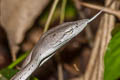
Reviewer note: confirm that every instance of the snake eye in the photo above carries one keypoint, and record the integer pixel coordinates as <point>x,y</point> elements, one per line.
<point>64,38</point>
<point>69,32</point>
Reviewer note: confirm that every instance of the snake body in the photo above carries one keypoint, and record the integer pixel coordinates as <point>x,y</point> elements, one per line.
<point>49,42</point>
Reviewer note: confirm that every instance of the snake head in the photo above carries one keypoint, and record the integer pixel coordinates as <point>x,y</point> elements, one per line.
<point>55,38</point>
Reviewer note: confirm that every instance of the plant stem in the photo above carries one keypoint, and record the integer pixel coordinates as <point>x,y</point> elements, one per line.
<point>12,65</point>
<point>50,15</point>
<point>63,11</point>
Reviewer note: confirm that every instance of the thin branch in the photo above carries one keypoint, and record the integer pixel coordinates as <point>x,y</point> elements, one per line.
<point>63,11</point>
<point>93,55</point>
<point>76,67</point>
<point>107,10</point>
<point>50,15</point>
<point>109,22</point>
<point>60,72</point>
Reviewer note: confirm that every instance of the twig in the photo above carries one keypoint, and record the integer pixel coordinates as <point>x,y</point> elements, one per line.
<point>93,55</point>
<point>108,10</point>
<point>103,44</point>
<point>63,11</point>
<point>109,22</point>
<point>50,15</point>
<point>101,49</point>
<point>60,72</point>
<point>76,68</point>
<point>94,74</point>
<point>102,34</point>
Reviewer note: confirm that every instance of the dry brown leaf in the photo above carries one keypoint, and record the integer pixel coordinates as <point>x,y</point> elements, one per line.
<point>17,16</point>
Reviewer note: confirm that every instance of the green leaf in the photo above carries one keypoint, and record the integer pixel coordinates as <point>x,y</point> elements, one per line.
<point>112,57</point>
<point>9,72</point>
<point>6,74</point>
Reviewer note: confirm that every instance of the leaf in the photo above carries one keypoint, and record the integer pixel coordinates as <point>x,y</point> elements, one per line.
<point>6,73</point>
<point>17,17</point>
<point>112,58</point>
